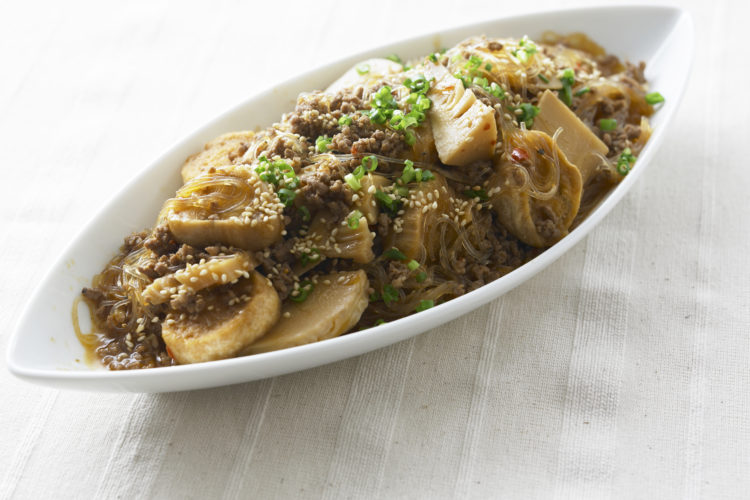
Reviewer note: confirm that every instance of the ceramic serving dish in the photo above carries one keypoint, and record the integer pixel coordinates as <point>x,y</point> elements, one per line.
<point>45,350</point>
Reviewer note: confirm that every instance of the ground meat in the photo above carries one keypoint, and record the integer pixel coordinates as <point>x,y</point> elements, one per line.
<point>289,148</point>
<point>317,114</point>
<point>190,303</point>
<point>398,273</point>
<point>632,131</point>
<point>636,72</point>
<point>134,241</point>
<point>507,251</point>
<point>608,64</point>
<point>149,352</point>
<point>364,137</point>
<point>95,299</point>
<point>276,263</point>
<point>495,46</point>
<point>619,139</point>
<point>234,155</point>
<point>325,189</point>
<point>161,241</point>
<point>178,258</point>
<point>92,294</point>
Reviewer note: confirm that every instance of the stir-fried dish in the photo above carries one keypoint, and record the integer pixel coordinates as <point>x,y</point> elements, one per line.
<point>399,187</point>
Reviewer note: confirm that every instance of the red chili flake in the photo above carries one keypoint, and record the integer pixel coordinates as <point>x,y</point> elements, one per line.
<point>519,155</point>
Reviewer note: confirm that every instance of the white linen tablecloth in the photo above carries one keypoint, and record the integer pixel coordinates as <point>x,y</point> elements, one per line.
<point>622,371</point>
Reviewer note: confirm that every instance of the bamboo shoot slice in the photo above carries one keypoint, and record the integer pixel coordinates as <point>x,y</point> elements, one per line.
<point>339,240</point>
<point>332,308</point>
<point>464,129</point>
<point>576,140</point>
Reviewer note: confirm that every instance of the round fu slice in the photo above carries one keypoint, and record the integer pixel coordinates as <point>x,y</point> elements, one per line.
<point>232,206</point>
<point>331,308</point>
<point>229,320</point>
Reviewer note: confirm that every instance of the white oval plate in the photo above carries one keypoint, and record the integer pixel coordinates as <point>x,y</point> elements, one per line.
<point>44,348</point>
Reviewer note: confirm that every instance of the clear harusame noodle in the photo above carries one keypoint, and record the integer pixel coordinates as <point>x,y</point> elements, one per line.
<point>399,187</point>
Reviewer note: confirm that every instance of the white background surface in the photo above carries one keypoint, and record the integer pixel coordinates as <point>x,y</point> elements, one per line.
<point>621,371</point>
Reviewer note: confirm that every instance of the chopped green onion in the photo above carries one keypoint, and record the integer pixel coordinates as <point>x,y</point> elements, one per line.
<point>654,98</point>
<point>305,287</point>
<point>543,78</point>
<point>277,172</point>
<point>427,175</point>
<point>402,191</point>
<point>359,172</point>
<point>488,67</point>
<point>466,81</point>
<point>409,138</point>
<point>413,265</point>
<point>305,213</point>
<point>422,103</point>
<point>384,199</point>
<point>374,297</point>
<point>565,95</point>
<point>394,254</point>
<point>433,57</point>
<point>568,78</point>
<point>395,58</point>
<point>421,277</point>
<point>480,81</point>
<point>345,120</point>
<point>525,49</point>
<point>419,85</point>
<point>370,163</point>
<point>286,196</point>
<point>322,143</point>
<point>582,91</point>
<point>424,305</point>
<point>528,112</point>
<point>476,193</point>
<point>363,69</point>
<point>407,175</point>
<point>390,294</point>
<point>353,220</point>
<point>473,63</point>
<point>353,182</point>
<point>380,321</point>
<point>312,256</point>
<point>382,106</point>
<point>625,161</point>
<point>608,124</point>
<point>496,90</point>
<point>377,116</point>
